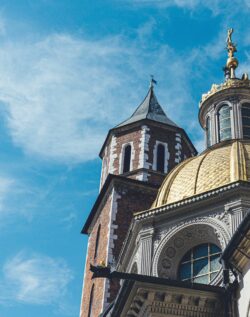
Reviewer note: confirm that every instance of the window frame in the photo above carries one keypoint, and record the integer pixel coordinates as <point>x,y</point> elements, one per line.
<point>91,300</point>
<point>162,162</point>
<point>123,157</point>
<point>244,102</point>
<point>192,261</point>
<point>208,131</point>
<point>219,108</point>
<point>97,241</point>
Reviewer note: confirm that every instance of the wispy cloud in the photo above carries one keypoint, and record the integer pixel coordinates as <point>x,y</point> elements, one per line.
<point>34,279</point>
<point>6,186</point>
<point>215,6</point>
<point>62,93</point>
<point>69,220</point>
<point>55,91</point>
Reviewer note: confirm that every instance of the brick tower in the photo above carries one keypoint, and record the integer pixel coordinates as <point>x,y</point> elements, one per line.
<point>136,156</point>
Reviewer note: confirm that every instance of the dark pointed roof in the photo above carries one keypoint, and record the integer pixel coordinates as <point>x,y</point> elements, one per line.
<point>149,109</point>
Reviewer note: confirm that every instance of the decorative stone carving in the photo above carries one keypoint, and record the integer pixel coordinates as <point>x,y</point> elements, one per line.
<point>179,242</point>
<point>180,238</point>
<point>231,83</point>
<point>170,252</point>
<point>173,302</point>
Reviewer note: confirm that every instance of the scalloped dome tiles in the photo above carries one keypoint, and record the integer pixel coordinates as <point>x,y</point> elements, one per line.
<point>213,168</point>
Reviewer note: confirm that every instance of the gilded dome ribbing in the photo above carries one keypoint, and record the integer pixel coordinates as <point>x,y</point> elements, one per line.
<point>213,168</point>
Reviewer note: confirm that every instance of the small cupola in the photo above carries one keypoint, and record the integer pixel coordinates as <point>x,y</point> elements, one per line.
<point>225,110</point>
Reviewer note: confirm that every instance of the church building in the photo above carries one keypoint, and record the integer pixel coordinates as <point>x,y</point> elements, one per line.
<point>169,233</point>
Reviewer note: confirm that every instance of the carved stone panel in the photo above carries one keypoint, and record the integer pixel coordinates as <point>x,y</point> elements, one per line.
<point>175,245</point>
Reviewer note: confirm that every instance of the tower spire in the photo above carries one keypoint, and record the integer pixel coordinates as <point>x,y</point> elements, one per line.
<point>232,62</point>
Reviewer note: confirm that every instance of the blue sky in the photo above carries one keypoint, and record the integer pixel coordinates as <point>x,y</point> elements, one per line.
<point>69,71</point>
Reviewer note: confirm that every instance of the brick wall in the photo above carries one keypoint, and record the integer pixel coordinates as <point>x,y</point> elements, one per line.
<point>144,139</point>
<point>132,199</point>
<point>116,213</point>
<point>101,256</point>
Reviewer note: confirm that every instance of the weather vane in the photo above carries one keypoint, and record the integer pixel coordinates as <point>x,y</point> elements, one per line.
<point>152,81</point>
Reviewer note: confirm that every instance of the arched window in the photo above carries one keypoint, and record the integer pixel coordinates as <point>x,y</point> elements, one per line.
<point>97,240</point>
<point>91,300</point>
<point>245,114</point>
<point>224,115</point>
<point>208,129</point>
<point>160,158</point>
<point>200,264</point>
<point>127,159</point>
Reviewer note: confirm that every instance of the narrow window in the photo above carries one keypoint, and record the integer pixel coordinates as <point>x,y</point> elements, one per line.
<point>200,264</point>
<point>127,158</point>
<point>245,114</point>
<point>91,300</point>
<point>208,129</point>
<point>160,158</point>
<point>224,115</point>
<point>97,240</point>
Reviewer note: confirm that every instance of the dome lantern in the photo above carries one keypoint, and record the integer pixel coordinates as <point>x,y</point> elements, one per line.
<point>225,110</point>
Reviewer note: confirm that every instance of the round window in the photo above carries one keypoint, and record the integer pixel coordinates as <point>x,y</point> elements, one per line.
<point>200,264</point>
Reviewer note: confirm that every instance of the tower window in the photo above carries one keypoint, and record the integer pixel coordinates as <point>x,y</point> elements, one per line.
<point>160,158</point>
<point>224,115</point>
<point>245,114</point>
<point>208,129</point>
<point>200,264</point>
<point>127,159</point>
<point>97,240</point>
<point>91,300</point>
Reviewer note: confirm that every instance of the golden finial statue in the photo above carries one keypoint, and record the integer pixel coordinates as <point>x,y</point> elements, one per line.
<point>232,61</point>
<point>102,263</point>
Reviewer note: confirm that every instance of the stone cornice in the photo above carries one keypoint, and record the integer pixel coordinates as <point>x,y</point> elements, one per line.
<point>185,202</point>
<point>146,298</point>
<point>230,83</point>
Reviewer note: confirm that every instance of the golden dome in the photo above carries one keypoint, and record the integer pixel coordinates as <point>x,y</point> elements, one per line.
<point>216,167</point>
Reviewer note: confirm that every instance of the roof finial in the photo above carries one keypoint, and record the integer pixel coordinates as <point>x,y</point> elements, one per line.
<point>152,82</point>
<point>232,62</point>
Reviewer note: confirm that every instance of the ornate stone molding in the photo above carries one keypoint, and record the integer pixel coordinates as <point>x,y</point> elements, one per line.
<point>178,239</point>
<point>187,201</point>
<point>175,302</point>
<point>230,83</point>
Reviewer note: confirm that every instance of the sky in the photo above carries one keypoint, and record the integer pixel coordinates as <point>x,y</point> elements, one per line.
<point>69,71</point>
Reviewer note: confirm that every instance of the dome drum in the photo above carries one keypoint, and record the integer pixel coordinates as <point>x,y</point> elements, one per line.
<point>214,122</point>
<point>231,94</point>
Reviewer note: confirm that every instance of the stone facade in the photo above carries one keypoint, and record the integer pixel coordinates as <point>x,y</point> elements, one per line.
<point>159,300</point>
<point>160,237</point>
